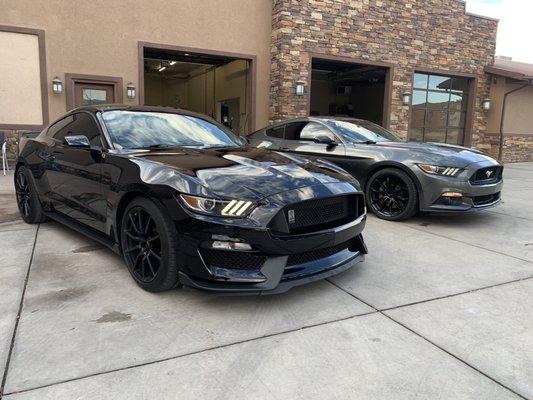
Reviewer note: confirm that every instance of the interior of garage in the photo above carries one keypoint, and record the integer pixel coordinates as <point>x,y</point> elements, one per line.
<point>209,84</point>
<point>348,89</point>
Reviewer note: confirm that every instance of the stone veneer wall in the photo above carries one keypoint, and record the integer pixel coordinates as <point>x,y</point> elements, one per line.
<point>409,34</point>
<point>11,137</point>
<point>518,148</point>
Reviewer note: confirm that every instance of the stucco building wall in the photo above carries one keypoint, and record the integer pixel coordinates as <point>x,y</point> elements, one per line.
<point>101,37</point>
<point>518,123</point>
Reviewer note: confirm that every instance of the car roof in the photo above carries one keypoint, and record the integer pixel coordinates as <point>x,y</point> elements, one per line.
<point>314,119</point>
<point>125,107</point>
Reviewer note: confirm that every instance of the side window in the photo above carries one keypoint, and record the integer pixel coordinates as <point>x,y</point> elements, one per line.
<point>276,132</point>
<point>292,130</point>
<point>58,131</point>
<point>85,125</point>
<point>313,130</point>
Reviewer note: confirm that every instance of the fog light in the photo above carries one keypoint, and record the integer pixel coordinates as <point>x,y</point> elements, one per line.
<point>219,245</point>
<point>452,194</point>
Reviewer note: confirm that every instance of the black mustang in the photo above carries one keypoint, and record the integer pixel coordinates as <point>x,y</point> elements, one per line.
<point>186,201</point>
<point>399,178</point>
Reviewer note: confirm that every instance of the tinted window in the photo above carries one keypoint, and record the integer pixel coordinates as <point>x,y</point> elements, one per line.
<point>357,131</point>
<point>292,130</point>
<point>276,132</point>
<point>139,129</point>
<point>313,130</point>
<point>76,124</point>
<point>84,124</point>
<point>57,130</point>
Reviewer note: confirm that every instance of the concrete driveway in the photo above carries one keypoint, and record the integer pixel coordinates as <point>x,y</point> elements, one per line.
<point>441,308</point>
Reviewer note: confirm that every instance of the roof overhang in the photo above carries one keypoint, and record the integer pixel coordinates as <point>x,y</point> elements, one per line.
<point>508,74</point>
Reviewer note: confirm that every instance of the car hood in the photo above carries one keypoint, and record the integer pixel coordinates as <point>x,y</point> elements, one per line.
<point>436,153</point>
<point>245,173</point>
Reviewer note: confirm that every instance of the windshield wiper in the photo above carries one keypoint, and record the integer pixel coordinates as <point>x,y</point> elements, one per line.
<point>218,146</point>
<point>163,145</point>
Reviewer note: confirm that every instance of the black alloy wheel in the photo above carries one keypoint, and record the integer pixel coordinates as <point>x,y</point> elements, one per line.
<point>149,245</point>
<point>143,245</point>
<point>23,194</point>
<point>392,195</point>
<point>27,198</point>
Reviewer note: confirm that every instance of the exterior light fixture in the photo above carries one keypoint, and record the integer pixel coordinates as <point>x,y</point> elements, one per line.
<point>172,63</point>
<point>300,88</point>
<point>486,103</point>
<point>57,85</point>
<point>162,68</point>
<point>130,90</point>
<point>406,98</point>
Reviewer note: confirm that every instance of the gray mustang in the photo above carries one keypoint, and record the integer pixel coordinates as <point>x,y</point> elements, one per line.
<point>399,178</point>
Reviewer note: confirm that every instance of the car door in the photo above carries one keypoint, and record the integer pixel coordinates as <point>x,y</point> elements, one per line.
<point>301,138</point>
<point>74,174</point>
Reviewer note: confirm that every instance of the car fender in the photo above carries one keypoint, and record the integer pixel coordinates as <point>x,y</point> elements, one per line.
<point>393,164</point>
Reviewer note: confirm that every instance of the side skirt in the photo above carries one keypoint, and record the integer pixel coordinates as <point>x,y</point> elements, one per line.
<point>84,230</point>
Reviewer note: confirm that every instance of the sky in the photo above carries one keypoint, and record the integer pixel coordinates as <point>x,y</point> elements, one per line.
<point>515,30</point>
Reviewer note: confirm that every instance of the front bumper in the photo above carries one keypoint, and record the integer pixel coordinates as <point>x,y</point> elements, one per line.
<point>275,282</point>
<point>475,197</point>
<point>343,248</point>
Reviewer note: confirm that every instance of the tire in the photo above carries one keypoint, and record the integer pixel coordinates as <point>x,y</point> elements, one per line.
<point>149,245</point>
<point>28,201</point>
<point>391,194</point>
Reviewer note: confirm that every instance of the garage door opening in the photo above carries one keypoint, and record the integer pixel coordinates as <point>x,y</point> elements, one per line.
<point>347,89</point>
<point>216,85</point>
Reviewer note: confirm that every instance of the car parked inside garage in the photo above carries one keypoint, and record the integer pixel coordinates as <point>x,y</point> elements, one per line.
<point>186,201</point>
<point>399,178</point>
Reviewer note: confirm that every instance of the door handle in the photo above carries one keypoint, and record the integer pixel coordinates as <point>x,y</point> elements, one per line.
<point>284,148</point>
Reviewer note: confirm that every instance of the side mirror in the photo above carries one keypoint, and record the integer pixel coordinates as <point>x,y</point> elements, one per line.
<point>78,141</point>
<point>323,139</point>
<point>243,140</point>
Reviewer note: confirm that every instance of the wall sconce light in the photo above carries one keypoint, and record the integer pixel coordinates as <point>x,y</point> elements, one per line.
<point>300,88</point>
<point>57,85</point>
<point>130,90</point>
<point>486,103</point>
<point>406,98</point>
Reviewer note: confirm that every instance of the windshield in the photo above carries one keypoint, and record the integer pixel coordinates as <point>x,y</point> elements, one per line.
<point>357,131</point>
<point>140,129</point>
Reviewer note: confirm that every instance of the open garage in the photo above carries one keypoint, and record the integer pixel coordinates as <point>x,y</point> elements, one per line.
<point>341,88</point>
<point>215,84</point>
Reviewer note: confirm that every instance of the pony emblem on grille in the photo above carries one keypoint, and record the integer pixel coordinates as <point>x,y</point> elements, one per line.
<point>488,173</point>
<point>291,216</point>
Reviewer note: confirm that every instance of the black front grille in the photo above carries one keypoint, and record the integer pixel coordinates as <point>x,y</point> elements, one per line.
<point>318,214</point>
<point>487,199</point>
<point>487,175</point>
<point>233,259</point>
<point>315,255</point>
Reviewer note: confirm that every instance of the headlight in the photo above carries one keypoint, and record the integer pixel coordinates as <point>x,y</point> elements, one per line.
<point>222,208</point>
<point>436,170</point>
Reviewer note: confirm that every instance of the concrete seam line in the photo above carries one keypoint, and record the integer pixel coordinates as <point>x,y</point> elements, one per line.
<point>192,353</point>
<point>468,244</point>
<point>509,215</point>
<point>457,294</point>
<point>454,356</point>
<point>434,344</point>
<point>19,313</point>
